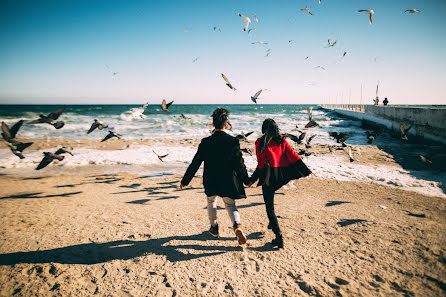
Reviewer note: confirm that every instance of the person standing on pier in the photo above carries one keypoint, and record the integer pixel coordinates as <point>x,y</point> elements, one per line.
<point>385,101</point>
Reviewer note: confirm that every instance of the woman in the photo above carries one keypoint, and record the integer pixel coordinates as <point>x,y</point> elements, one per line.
<point>277,164</point>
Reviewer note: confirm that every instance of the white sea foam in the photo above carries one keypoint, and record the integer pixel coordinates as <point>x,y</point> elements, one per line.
<point>179,157</point>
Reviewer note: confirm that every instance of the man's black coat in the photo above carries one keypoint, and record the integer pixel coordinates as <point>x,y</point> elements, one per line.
<point>224,169</point>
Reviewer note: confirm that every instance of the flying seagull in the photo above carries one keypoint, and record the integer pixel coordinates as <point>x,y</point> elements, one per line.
<point>350,154</point>
<point>260,42</point>
<point>9,135</point>
<point>246,20</point>
<point>47,159</point>
<point>50,119</point>
<point>98,125</point>
<point>296,139</point>
<point>228,83</point>
<point>246,150</point>
<point>306,10</point>
<point>404,132</point>
<point>161,157</point>
<point>369,12</point>
<point>340,137</point>
<point>110,135</point>
<point>244,136</point>
<point>195,59</point>
<point>331,44</point>
<point>411,10</point>
<point>112,72</point>
<point>312,123</point>
<point>308,145</point>
<point>165,106</point>
<point>256,96</point>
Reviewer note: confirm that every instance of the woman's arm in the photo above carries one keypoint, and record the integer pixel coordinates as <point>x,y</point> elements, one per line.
<point>290,153</point>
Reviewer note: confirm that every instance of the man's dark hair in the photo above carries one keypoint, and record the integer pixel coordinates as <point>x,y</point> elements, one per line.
<point>220,117</point>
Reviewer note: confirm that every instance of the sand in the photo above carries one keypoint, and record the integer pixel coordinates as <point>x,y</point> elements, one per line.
<point>123,234</point>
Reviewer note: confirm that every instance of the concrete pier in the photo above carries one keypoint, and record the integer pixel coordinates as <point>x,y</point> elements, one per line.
<point>427,122</point>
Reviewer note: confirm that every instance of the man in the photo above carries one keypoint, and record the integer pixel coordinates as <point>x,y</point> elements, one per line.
<point>224,173</point>
<point>385,102</point>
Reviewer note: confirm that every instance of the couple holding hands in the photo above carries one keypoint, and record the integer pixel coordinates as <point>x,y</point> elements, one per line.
<point>225,172</point>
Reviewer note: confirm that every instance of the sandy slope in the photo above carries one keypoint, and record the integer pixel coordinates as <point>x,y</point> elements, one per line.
<point>123,235</point>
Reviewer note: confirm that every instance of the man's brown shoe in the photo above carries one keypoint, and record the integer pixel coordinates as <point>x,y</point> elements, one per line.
<point>241,238</point>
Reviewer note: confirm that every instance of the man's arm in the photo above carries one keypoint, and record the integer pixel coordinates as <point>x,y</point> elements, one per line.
<point>193,167</point>
<point>239,163</point>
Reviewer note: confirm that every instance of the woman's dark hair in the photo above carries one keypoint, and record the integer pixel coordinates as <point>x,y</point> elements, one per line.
<point>270,132</point>
<point>220,117</point>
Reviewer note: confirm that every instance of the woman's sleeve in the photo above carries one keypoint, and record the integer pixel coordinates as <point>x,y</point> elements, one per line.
<point>261,156</point>
<point>290,153</point>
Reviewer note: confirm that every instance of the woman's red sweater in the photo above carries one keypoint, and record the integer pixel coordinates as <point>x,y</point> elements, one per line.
<point>276,155</point>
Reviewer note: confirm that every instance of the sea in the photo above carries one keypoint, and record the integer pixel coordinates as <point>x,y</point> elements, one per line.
<point>192,122</point>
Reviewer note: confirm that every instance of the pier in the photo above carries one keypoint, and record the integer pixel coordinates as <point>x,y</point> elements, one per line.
<point>427,122</point>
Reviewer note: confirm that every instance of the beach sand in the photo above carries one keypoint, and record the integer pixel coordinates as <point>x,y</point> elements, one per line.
<point>130,235</point>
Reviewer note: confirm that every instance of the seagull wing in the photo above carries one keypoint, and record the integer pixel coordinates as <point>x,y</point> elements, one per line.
<point>45,162</point>
<point>93,126</point>
<point>302,136</point>
<point>292,137</point>
<point>311,138</point>
<point>6,132</point>
<point>107,137</point>
<point>370,18</point>
<point>56,114</point>
<point>14,129</point>
<point>225,78</point>
<point>169,104</point>
<point>249,133</point>
<point>164,105</point>
<point>310,113</point>
<point>22,145</point>
<point>163,156</point>
<point>258,93</point>
<point>403,131</point>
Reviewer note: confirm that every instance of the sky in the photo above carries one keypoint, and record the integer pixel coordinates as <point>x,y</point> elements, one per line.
<point>65,52</point>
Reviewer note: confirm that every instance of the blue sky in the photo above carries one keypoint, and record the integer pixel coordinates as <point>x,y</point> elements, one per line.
<point>56,51</point>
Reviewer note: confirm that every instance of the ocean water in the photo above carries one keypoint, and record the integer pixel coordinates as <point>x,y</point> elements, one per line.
<point>154,123</point>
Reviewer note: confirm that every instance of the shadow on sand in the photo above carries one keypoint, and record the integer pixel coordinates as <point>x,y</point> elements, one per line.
<point>93,253</point>
<point>39,195</point>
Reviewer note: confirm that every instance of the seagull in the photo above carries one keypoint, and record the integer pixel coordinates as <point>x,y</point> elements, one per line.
<point>112,72</point>
<point>306,10</point>
<point>256,96</point>
<point>425,160</point>
<point>307,57</point>
<point>251,30</point>
<point>340,137</point>
<point>350,154</point>
<point>371,136</point>
<point>164,106</point>
<point>110,135</point>
<point>411,10</point>
<point>246,150</point>
<point>47,159</point>
<point>217,29</point>
<point>331,44</point>
<point>404,132</point>
<point>195,60</point>
<point>246,20</point>
<point>96,124</point>
<point>260,42</point>
<point>256,19</point>
<point>10,133</point>
<point>296,139</point>
<point>228,83</point>
<point>49,119</point>
<point>244,136</point>
<point>369,12</point>
<point>161,157</point>
<point>307,145</point>
<point>184,117</point>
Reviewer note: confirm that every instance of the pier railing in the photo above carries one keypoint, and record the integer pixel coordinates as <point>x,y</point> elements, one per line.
<point>353,107</point>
